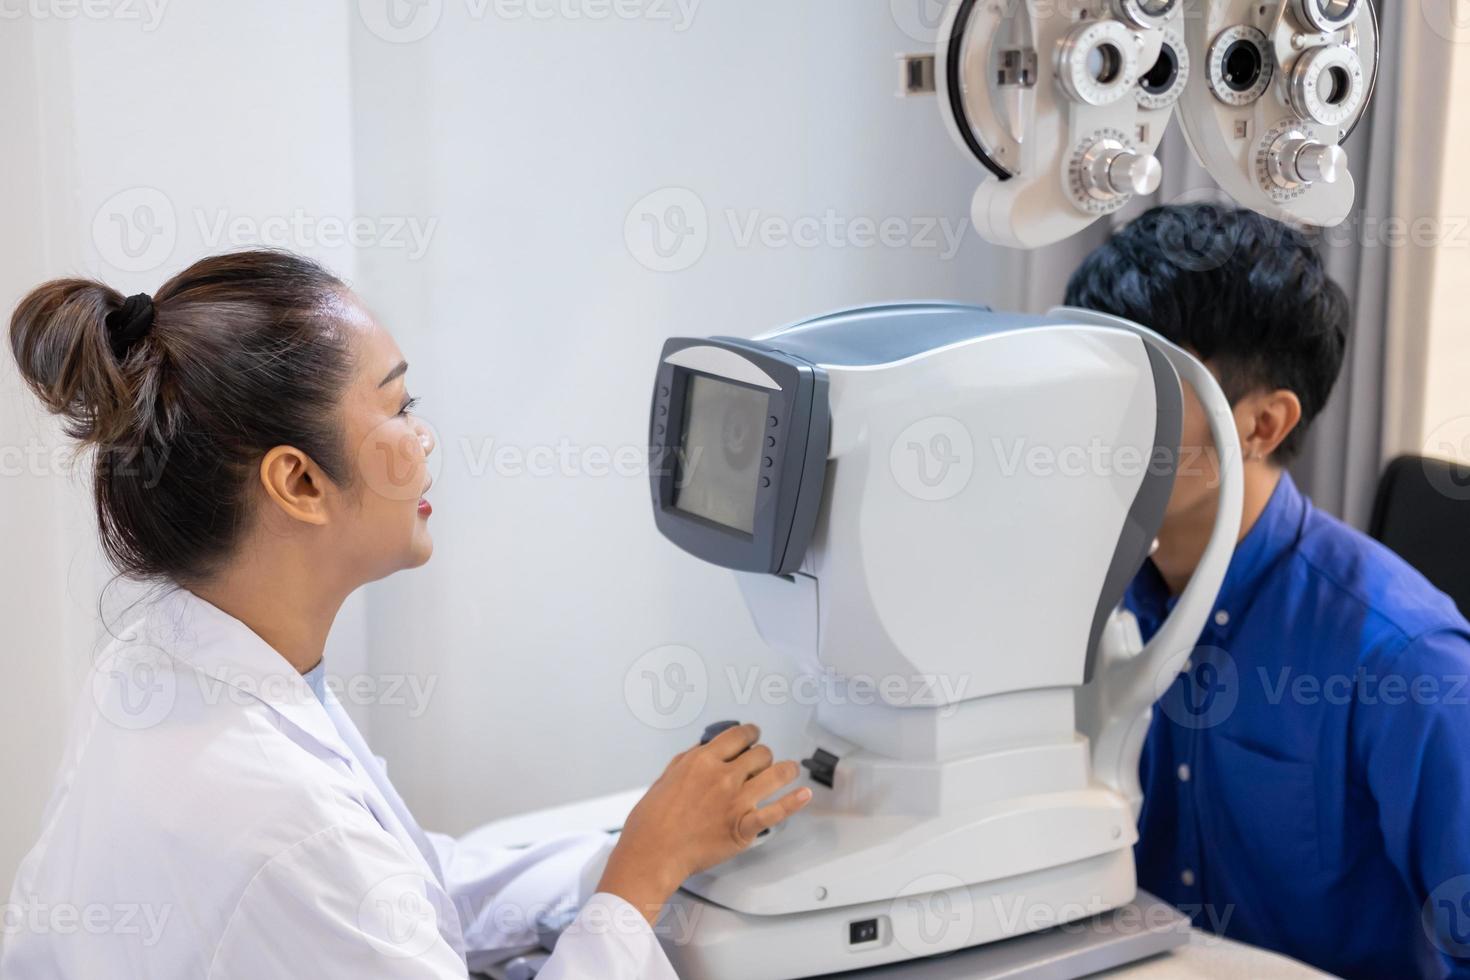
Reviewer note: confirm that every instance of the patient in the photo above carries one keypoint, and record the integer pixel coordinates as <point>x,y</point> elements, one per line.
<point>1307,778</point>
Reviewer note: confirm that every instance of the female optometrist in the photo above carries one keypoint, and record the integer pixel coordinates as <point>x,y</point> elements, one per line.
<point>215,802</point>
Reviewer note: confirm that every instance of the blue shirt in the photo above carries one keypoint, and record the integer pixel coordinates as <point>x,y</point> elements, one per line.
<point>1307,778</point>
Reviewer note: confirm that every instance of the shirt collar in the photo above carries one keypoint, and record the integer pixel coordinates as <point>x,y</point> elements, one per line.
<point>222,648</point>
<point>1275,532</point>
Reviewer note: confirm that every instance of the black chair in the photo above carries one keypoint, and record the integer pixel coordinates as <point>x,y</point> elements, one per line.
<point>1422,511</point>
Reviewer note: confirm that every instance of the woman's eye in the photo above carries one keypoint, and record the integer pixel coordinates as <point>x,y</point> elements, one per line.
<point>408,406</point>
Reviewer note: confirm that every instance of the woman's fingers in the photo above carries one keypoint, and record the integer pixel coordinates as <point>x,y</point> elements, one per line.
<point>766,817</point>
<point>753,761</point>
<point>733,741</point>
<point>768,782</point>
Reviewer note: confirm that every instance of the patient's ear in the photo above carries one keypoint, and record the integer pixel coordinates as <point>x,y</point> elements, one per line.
<point>1266,418</point>
<point>295,484</point>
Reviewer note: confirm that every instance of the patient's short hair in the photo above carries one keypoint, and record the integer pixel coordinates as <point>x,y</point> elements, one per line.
<point>1246,293</point>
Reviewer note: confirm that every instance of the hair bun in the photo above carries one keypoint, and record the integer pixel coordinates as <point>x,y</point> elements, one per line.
<point>65,344</point>
<point>129,324</point>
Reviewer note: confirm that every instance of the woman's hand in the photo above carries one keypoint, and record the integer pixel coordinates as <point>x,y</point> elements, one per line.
<point>704,809</point>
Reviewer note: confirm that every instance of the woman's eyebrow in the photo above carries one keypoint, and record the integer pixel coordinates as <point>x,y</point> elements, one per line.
<point>396,372</point>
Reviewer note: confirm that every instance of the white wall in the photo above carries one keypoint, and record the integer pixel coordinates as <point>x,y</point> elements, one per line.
<point>1445,424</point>
<point>165,126</point>
<point>531,322</point>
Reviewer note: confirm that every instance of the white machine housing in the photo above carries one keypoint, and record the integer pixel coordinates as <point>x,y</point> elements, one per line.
<point>975,756</point>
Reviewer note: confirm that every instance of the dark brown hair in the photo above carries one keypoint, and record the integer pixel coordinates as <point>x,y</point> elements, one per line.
<point>245,353</point>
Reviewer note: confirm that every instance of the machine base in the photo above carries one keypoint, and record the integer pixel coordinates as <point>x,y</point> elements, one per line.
<point>935,914</point>
<point>1142,928</point>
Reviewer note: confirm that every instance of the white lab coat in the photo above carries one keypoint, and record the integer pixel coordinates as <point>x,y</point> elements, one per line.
<point>213,819</point>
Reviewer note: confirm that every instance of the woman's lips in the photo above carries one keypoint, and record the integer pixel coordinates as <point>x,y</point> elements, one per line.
<point>425,508</point>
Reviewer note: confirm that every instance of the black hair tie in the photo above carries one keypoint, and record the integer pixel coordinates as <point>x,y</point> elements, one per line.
<point>129,324</point>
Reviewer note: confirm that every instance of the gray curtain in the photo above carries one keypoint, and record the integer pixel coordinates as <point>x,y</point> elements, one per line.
<point>1344,454</point>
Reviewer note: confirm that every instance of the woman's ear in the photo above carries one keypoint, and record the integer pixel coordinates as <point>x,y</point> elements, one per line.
<point>295,484</point>
<point>1267,418</point>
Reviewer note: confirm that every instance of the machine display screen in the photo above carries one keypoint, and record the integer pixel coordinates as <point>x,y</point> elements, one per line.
<point>720,452</point>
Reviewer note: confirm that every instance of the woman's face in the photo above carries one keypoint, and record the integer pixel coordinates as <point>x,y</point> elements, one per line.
<point>382,519</point>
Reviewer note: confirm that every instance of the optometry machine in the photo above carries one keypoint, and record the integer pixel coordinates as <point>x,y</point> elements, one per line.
<point>1064,103</point>
<point>935,510</point>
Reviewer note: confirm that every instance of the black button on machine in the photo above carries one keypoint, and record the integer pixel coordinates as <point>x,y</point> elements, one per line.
<point>822,765</point>
<point>863,931</point>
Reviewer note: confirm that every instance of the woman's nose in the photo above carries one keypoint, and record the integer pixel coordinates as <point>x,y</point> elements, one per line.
<point>426,439</point>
